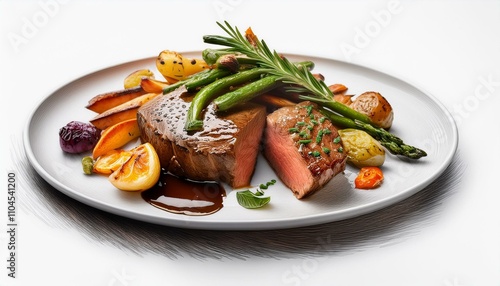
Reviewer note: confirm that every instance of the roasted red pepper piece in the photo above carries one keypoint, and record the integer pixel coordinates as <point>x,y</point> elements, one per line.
<point>369,178</point>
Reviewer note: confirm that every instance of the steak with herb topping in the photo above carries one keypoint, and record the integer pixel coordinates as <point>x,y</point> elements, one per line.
<point>225,150</point>
<point>303,147</point>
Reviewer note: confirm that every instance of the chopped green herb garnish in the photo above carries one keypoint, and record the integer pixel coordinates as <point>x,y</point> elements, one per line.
<point>300,123</point>
<point>315,153</point>
<point>304,134</point>
<point>326,150</point>
<point>309,109</point>
<point>327,131</point>
<point>310,127</point>
<point>314,121</point>
<point>322,119</point>
<point>306,141</point>
<point>340,149</point>
<point>259,193</point>
<point>293,130</point>
<point>336,140</point>
<point>319,137</point>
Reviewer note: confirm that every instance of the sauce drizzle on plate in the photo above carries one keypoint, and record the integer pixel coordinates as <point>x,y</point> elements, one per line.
<point>177,195</point>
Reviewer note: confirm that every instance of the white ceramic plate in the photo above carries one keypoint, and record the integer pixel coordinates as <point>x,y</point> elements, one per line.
<point>419,119</point>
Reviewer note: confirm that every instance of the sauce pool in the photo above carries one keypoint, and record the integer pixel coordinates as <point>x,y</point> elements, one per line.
<point>184,196</point>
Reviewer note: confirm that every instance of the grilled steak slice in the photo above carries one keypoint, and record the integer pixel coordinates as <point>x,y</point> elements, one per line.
<point>303,148</point>
<point>225,150</point>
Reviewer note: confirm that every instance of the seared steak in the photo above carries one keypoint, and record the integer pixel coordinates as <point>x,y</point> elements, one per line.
<point>303,148</point>
<point>225,150</point>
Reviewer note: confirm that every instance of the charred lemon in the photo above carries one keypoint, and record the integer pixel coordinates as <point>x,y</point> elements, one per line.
<point>140,171</point>
<point>111,161</point>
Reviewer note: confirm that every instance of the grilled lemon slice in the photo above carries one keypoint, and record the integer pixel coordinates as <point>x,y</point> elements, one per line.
<point>140,172</point>
<point>111,161</point>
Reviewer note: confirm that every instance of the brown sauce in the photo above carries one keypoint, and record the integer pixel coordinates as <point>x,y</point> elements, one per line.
<point>184,196</point>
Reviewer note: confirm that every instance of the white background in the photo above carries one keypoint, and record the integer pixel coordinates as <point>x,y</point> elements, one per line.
<point>449,48</point>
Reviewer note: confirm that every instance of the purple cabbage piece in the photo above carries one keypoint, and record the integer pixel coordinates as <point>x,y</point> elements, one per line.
<point>78,137</point>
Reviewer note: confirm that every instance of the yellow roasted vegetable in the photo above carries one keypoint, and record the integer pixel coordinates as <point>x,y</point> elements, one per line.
<point>134,79</point>
<point>362,149</point>
<point>376,107</point>
<point>174,67</point>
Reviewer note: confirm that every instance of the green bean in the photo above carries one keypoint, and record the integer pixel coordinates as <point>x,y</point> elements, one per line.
<point>246,93</point>
<point>209,92</point>
<point>198,80</point>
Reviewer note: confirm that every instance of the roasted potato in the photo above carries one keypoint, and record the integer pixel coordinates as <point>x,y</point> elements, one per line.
<point>153,85</point>
<point>174,67</point>
<point>376,107</point>
<point>108,100</point>
<point>116,136</point>
<point>134,79</point>
<point>122,112</point>
<point>362,149</point>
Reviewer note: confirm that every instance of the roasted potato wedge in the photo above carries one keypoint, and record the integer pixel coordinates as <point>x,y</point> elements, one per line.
<point>116,136</point>
<point>122,112</point>
<point>343,98</point>
<point>153,85</point>
<point>337,88</point>
<point>105,101</point>
<point>273,101</point>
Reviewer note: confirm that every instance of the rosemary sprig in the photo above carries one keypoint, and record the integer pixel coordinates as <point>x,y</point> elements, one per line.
<point>297,78</point>
<point>301,78</point>
<point>302,81</point>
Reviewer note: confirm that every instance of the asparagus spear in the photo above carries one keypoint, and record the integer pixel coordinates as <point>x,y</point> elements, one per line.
<point>339,108</point>
<point>394,144</point>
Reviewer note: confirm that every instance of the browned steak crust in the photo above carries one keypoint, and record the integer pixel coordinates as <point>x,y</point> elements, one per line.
<point>303,147</point>
<point>225,150</point>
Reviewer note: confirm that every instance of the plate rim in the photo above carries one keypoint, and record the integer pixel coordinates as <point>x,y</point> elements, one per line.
<point>277,223</point>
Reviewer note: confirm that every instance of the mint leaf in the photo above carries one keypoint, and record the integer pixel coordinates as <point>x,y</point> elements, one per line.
<point>249,200</point>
